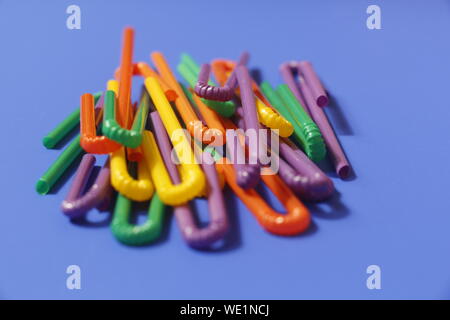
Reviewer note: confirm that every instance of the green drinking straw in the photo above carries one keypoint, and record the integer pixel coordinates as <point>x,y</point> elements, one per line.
<point>61,164</point>
<point>189,70</point>
<point>111,128</point>
<point>313,143</point>
<point>137,235</point>
<point>67,125</point>
<point>276,102</point>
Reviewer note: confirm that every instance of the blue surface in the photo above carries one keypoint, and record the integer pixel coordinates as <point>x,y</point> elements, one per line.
<point>392,117</point>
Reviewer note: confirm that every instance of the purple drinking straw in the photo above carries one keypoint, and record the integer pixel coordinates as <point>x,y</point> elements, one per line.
<point>250,114</point>
<point>286,72</point>
<point>205,90</point>
<point>75,205</point>
<point>218,225</point>
<point>298,171</point>
<point>318,115</point>
<point>318,92</point>
<point>317,185</point>
<point>337,154</point>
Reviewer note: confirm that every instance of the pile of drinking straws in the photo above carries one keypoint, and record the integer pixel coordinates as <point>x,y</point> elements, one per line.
<point>171,147</point>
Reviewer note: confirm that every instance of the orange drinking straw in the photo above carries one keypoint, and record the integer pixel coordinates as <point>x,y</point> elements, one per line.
<point>192,122</point>
<point>267,115</point>
<point>295,221</point>
<point>125,75</point>
<point>133,154</point>
<point>89,140</point>
<point>144,70</point>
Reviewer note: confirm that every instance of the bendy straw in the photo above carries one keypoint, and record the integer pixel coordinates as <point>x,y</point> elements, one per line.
<point>89,140</point>
<point>140,189</point>
<point>193,124</point>
<point>196,237</point>
<point>137,235</point>
<point>61,164</point>
<point>337,154</point>
<point>312,141</point>
<point>317,90</point>
<point>266,113</point>
<point>210,116</point>
<point>295,221</point>
<point>78,204</point>
<point>131,138</point>
<point>189,70</point>
<point>205,90</point>
<point>125,76</point>
<point>286,70</point>
<point>193,179</point>
<point>67,125</point>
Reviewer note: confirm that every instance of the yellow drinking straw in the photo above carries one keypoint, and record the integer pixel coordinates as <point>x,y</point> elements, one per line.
<point>193,179</point>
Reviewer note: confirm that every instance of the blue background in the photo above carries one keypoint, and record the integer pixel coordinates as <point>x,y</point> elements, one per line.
<point>391,113</point>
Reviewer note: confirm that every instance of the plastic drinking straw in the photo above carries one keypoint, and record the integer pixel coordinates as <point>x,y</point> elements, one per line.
<point>247,176</point>
<point>294,221</point>
<point>340,161</point>
<point>189,70</point>
<point>89,140</point>
<point>317,90</point>
<point>298,171</point>
<point>57,169</point>
<point>65,126</point>
<point>218,226</point>
<point>278,104</point>
<point>137,235</point>
<point>205,90</point>
<point>126,74</point>
<point>316,184</point>
<point>133,154</point>
<point>193,124</point>
<point>250,113</point>
<point>77,205</point>
<point>288,77</point>
<point>267,115</point>
<point>210,116</point>
<point>131,138</point>
<point>313,144</point>
<point>195,178</point>
<point>146,71</point>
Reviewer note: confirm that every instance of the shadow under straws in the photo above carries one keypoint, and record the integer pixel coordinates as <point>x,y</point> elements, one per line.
<point>232,239</point>
<point>331,209</point>
<point>337,117</point>
<point>66,176</point>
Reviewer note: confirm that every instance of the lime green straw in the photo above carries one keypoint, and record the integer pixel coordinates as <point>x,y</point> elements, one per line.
<point>136,235</point>
<point>313,143</point>
<point>57,169</point>
<point>67,125</point>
